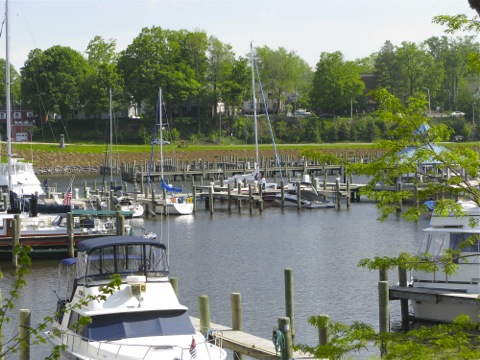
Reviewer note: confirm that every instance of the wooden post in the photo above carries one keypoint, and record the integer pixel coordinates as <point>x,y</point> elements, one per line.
<point>323,330</point>
<point>194,195</point>
<point>284,327</point>
<point>229,196</point>
<point>288,274</point>
<point>236,307</point>
<point>120,222</point>
<point>70,236</point>
<point>382,275</point>
<point>204,306</point>
<point>384,321</point>
<point>402,281</point>
<point>5,201</point>
<point>2,340</point>
<point>15,238</point>
<point>174,283</point>
<point>337,191</point>
<point>239,192</point>
<point>299,196</point>
<point>348,194</point>
<point>24,334</point>
<point>250,198</point>
<point>282,193</point>
<point>211,199</point>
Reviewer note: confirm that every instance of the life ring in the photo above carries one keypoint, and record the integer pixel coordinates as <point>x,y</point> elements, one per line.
<point>41,224</point>
<point>173,200</point>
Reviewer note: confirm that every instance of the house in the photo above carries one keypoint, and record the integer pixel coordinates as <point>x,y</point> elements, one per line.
<point>22,122</point>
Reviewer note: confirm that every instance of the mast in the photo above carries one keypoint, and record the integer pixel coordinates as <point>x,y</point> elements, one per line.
<point>254,107</point>
<point>111,140</point>
<point>9,107</point>
<point>161,130</point>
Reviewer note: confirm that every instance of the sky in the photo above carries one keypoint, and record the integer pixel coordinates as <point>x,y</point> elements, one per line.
<point>356,28</point>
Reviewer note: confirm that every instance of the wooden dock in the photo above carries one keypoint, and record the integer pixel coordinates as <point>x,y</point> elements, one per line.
<point>247,344</point>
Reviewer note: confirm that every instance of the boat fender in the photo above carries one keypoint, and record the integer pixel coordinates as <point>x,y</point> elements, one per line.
<point>189,200</point>
<point>209,336</point>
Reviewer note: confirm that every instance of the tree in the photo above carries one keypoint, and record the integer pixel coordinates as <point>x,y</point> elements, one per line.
<point>15,83</point>
<point>283,73</point>
<point>158,58</point>
<point>335,83</point>
<point>102,77</point>
<point>386,68</point>
<point>52,80</point>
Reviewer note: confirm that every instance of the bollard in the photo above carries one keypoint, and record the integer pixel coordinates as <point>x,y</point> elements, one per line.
<point>24,334</point>
<point>174,283</point>
<point>288,274</point>
<point>204,306</point>
<point>236,306</point>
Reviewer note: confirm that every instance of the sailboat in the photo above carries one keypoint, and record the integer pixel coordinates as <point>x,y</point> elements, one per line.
<point>255,176</point>
<point>15,176</point>
<point>121,200</point>
<point>175,201</point>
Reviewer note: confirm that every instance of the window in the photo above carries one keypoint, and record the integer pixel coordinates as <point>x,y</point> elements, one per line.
<point>17,115</point>
<point>30,114</point>
<point>3,115</point>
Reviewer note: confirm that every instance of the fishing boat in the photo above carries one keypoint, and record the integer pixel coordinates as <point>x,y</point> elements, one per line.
<point>175,201</point>
<point>142,319</point>
<point>308,197</point>
<point>447,234</point>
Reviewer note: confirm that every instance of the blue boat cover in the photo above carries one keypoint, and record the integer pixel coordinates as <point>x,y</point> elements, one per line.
<point>170,188</point>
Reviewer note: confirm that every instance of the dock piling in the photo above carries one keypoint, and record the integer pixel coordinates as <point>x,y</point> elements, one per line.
<point>204,305</point>
<point>24,331</point>
<point>289,307</point>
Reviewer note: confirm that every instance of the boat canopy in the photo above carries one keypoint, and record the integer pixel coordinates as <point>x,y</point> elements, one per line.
<point>99,258</point>
<point>170,188</point>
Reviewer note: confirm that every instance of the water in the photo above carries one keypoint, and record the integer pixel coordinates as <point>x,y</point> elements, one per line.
<point>245,252</point>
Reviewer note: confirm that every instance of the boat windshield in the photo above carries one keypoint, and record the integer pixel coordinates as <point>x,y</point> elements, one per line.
<point>134,325</point>
<point>435,245</point>
<point>129,259</point>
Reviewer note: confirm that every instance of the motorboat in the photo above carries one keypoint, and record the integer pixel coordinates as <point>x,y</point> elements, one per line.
<point>309,197</point>
<point>23,180</point>
<point>142,319</point>
<point>449,235</point>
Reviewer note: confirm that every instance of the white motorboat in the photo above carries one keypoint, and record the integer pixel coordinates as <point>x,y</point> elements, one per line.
<point>447,234</point>
<point>23,178</point>
<point>143,319</point>
<point>309,197</point>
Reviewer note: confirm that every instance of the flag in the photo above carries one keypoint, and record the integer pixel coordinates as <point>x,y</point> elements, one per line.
<point>68,197</point>
<point>193,349</point>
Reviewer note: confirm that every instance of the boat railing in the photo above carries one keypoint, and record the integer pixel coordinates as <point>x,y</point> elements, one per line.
<point>212,347</point>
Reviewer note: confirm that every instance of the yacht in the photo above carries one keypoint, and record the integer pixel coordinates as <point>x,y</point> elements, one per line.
<point>142,319</point>
<point>444,235</point>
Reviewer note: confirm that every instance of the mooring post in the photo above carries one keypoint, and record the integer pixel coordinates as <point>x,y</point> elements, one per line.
<point>70,240</point>
<point>402,281</point>
<point>250,198</point>
<point>323,330</point>
<point>174,283</point>
<point>287,346</point>
<point>211,198</point>
<point>337,191</point>
<point>282,193</point>
<point>299,196</point>
<point>120,222</point>
<point>289,307</point>
<point>236,306</point>
<point>384,322</point>
<point>239,192</point>
<point>15,239</point>
<point>204,306</point>
<point>1,330</point>
<point>229,196</point>
<point>24,331</point>
<point>348,194</point>
<point>194,195</point>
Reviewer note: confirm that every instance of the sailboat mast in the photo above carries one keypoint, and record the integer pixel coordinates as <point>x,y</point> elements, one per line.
<point>254,106</point>
<point>9,107</point>
<point>111,140</point>
<point>161,130</point>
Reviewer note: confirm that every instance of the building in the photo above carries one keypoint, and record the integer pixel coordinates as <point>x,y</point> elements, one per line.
<point>22,122</point>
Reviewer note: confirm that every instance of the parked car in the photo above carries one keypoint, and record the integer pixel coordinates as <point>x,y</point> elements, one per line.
<point>327,116</point>
<point>301,113</point>
<point>160,141</point>
<point>457,114</point>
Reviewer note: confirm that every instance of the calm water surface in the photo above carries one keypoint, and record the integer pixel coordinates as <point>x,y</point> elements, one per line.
<point>245,252</point>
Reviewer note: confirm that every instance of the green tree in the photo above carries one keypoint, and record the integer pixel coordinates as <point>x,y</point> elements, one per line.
<point>14,84</point>
<point>158,58</point>
<point>386,68</point>
<point>335,83</point>
<point>52,80</point>
<point>283,72</point>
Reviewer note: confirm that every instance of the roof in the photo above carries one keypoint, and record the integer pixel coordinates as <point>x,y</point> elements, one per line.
<point>105,241</point>
<point>410,151</point>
